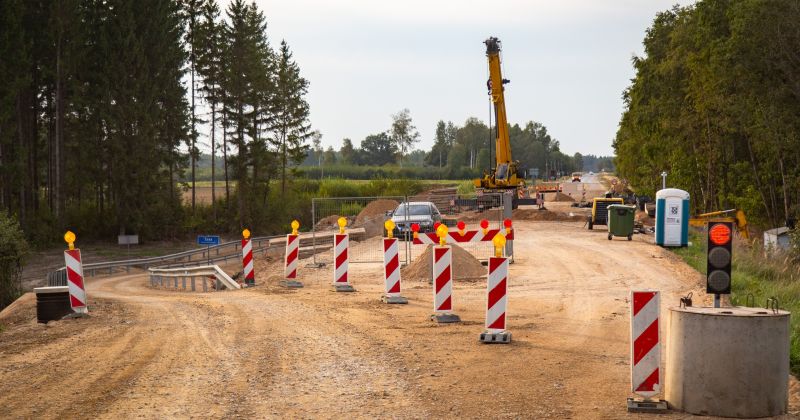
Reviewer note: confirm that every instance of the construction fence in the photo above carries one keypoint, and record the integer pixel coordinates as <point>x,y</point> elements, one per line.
<point>366,217</point>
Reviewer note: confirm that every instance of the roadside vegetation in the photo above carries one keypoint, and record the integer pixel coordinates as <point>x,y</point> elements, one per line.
<point>758,275</point>
<point>13,250</point>
<point>714,103</point>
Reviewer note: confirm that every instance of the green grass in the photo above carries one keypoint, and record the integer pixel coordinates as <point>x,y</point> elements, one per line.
<point>763,278</point>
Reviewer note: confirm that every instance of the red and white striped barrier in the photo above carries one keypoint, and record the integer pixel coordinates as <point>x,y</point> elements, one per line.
<point>430,238</point>
<point>290,266</point>
<point>341,281</point>
<point>645,343</point>
<point>443,284</point>
<point>496,288</point>
<point>391,271</point>
<point>77,290</point>
<point>247,262</point>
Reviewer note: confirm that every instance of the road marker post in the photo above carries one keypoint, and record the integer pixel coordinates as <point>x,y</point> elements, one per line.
<point>496,295</point>
<point>645,351</point>
<point>292,256</point>
<point>247,260</point>
<point>391,266</point>
<point>341,244</point>
<point>443,280</point>
<point>74,267</point>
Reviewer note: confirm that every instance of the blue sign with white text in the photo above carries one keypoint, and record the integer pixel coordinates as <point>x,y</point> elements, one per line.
<point>208,240</point>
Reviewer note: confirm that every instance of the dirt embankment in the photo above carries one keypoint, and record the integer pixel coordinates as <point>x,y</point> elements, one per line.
<point>371,218</point>
<point>465,266</point>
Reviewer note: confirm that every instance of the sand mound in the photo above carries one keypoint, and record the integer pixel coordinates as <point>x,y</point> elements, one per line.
<point>547,216</point>
<point>563,197</point>
<point>465,266</point>
<point>376,209</point>
<point>22,308</point>
<point>332,222</point>
<point>371,218</point>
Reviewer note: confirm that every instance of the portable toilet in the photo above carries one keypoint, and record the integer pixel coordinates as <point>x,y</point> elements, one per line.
<point>672,217</point>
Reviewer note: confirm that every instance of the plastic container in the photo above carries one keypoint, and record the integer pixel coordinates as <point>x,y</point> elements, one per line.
<point>620,220</point>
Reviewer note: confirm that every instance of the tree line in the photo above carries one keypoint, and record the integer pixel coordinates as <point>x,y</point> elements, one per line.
<point>715,103</point>
<point>458,152</point>
<point>103,102</point>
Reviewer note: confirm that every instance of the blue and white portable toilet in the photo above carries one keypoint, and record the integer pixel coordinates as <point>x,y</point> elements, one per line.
<point>672,217</point>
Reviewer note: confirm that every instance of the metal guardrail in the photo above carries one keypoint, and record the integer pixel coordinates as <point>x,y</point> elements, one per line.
<point>173,275</point>
<point>184,258</point>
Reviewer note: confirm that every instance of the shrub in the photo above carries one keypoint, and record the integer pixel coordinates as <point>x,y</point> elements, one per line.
<point>13,249</point>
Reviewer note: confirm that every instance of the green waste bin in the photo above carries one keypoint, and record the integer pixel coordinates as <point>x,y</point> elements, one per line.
<point>620,220</point>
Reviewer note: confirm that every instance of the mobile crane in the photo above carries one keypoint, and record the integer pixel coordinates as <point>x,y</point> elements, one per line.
<point>505,175</point>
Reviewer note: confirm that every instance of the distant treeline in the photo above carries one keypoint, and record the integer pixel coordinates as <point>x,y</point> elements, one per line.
<point>716,103</point>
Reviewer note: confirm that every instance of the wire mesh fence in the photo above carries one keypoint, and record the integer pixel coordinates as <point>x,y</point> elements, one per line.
<point>365,219</point>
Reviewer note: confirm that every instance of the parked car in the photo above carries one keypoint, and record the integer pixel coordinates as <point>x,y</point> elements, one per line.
<point>423,213</point>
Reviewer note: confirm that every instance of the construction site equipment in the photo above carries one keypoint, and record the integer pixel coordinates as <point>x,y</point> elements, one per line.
<point>734,216</point>
<point>576,176</point>
<point>672,217</point>
<point>645,351</point>
<point>728,362</point>
<point>600,210</point>
<point>620,221</point>
<point>505,175</point>
<point>548,187</point>
<point>52,303</point>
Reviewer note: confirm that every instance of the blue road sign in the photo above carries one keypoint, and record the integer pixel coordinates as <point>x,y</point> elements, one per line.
<point>208,240</point>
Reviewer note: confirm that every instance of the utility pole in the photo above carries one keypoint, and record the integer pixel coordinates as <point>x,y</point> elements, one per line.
<point>664,180</point>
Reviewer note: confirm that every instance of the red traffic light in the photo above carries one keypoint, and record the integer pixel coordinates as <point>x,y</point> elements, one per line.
<point>720,234</point>
<point>507,223</point>
<point>415,227</point>
<point>462,225</point>
<point>484,224</point>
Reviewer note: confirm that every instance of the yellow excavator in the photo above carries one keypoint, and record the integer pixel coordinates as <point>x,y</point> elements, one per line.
<point>505,175</point>
<point>733,215</point>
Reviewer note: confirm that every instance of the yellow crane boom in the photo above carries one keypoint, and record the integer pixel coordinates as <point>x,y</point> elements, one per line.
<point>505,173</point>
<point>738,219</point>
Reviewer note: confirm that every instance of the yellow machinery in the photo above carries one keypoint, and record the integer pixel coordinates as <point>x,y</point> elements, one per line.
<point>735,216</point>
<point>600,210</point>
<point>505,175</point>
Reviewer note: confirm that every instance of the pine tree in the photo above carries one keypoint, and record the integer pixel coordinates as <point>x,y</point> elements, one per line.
<point>290,111</point>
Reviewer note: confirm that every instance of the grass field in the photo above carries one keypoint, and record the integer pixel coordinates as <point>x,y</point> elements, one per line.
<point>762,277</point>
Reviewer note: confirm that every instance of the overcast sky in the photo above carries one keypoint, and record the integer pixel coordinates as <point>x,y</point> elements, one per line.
<point>568,62</point>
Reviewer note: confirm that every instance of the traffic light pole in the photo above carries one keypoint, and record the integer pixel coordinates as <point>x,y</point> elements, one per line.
<point>716,300</point>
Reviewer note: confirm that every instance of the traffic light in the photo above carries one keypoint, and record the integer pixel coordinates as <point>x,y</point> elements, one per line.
<point>720,239</point>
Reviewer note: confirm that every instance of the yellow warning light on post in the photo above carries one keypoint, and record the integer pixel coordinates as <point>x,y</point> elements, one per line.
<point>342,222</point>
<point>441,231</point>
<point>246,233</point>
<point>389,225</point>
<point>295,226</point>
<point>499,242</point>
<point>69,238</point>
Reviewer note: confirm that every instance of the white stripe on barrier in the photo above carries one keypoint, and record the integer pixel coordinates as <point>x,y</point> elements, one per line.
<point>341,258</point>
<point>391,267</point>
<point>442,279</point>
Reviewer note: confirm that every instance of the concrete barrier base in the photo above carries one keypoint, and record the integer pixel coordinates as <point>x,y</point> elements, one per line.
<point>394,299</point>
<point>647,406</point>
<point>445,318</point>
<point>496,338</point>
<point>291,284</point>
<point>343,288</point>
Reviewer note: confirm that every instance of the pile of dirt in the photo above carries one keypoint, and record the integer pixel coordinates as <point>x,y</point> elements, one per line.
<point>465,266</point>
<point>23,308</point>
<point>332,222</point>
<point>547,216</point>
<point>371,218</point>
<point>563,197</point>
<point>645,219</point>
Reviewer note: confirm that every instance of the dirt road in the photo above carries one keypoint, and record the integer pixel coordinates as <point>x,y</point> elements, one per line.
<point>269,352</point>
